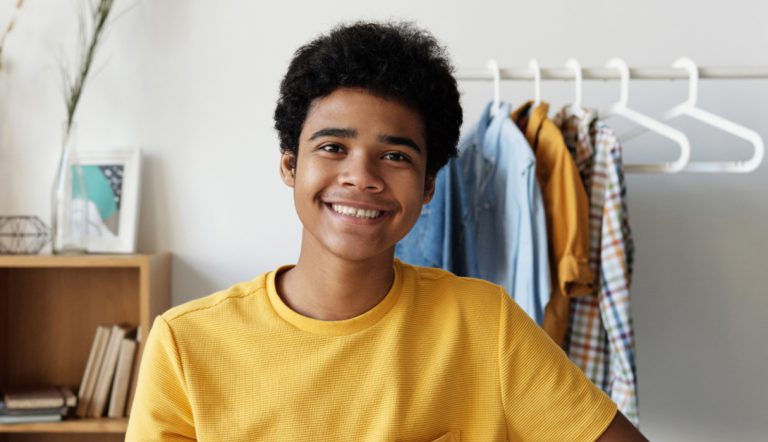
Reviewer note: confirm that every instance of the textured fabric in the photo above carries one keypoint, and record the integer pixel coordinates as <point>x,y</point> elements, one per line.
<point>507,210</point>
<point>440,357</point>
<point>567,209</point>
<point>443,237</point>
<point>601,338</point>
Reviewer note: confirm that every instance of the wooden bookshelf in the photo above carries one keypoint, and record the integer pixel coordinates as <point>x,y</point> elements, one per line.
<point>104,425</point>
<point>50,307</point>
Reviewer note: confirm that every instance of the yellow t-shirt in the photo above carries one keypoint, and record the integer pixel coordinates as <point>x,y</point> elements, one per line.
<point>439,358</point>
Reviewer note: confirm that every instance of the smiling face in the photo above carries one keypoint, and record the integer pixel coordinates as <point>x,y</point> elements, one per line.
<point>360,177</point>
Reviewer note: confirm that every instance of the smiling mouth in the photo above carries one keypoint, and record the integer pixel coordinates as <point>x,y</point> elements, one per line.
<point>355,212</point>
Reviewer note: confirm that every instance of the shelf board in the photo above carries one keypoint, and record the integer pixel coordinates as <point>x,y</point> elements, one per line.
<point>104,425</point>
<point>61,261</point>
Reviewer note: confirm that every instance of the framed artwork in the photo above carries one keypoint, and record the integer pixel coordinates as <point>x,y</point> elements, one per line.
<point>112,182</point>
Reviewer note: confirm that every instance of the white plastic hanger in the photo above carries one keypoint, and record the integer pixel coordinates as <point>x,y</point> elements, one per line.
<point>534,66</point>
<point>620,108</point>
<point>494,67</point>
<point>576,108</point>
<point>689,108</point>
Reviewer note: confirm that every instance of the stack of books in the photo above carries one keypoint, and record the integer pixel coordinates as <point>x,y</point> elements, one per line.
<point>106,389</point>
<point>35,404</point>
<point>110,373</point>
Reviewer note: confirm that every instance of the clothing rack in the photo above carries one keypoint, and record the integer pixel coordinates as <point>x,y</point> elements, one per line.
<point>605,74</point>
<point>617,69</point>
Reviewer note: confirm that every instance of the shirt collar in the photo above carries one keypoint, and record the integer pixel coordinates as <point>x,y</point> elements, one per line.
<point>530,119</point>
<point>577,130</point>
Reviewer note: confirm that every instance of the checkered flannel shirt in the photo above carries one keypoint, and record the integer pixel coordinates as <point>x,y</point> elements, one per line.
<point>600,337</point>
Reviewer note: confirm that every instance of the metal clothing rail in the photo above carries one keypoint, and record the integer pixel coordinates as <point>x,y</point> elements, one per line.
<point>603,73</point>
<point>617,69</point>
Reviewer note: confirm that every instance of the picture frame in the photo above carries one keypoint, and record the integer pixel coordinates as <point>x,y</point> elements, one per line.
<point>112,181</point>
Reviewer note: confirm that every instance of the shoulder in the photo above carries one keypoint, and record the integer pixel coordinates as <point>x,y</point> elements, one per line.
<point>430,276</point>
<point>218,303</point>
<point>434,287</point>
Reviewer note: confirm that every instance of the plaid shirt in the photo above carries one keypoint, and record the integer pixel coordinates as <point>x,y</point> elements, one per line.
<point>600,337</point>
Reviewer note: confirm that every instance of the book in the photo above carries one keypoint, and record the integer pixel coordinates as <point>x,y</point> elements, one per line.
<point>92,367</point>
<point>24,398</point>
<point>5,411</point>
<point>134,372</point>
<point>34,411</point>
<point>30,418</point>
<point>98,404</point>
<point>122,379</point>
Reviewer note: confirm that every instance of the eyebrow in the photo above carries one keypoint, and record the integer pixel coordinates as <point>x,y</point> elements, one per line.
<point>334,132</point>
<point>352,133</point>
<point>402,141</point>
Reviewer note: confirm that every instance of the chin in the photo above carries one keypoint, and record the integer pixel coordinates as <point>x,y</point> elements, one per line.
<point>360,253</point>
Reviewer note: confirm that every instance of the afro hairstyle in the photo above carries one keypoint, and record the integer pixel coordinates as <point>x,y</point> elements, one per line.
<point>394,60</point>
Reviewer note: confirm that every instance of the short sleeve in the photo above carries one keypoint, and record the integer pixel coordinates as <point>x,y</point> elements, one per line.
<point>161,409</point>
<point>545,396</point>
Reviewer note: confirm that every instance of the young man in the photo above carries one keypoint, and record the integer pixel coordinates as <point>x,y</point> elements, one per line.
<point>350,343</point>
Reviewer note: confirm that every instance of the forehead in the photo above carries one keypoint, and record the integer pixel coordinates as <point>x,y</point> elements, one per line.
<point>355,108</point>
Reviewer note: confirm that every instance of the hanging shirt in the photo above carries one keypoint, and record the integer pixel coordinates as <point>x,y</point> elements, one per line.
<point>443,237</point>
<point>567,209</point>
<point>499,167</point>
<point>600,338</point>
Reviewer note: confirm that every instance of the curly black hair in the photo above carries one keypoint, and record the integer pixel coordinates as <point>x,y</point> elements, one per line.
<point>393,60</point>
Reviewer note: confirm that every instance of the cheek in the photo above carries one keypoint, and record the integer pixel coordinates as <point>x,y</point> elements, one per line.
<point>412,192</point>
<point>311,178</point>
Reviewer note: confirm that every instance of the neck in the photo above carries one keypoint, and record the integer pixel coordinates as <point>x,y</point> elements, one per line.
<point>330,288</point>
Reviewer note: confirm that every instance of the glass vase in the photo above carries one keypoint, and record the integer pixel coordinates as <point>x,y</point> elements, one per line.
<point>69,200</point>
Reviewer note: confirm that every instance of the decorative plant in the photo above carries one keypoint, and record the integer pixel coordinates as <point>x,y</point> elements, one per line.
<point>70,211</point>
<point>8,29</point>
<point>93,24</point>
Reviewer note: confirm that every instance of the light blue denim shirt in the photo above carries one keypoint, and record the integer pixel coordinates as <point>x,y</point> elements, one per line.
<point>507,211</point>
<point>443,235</point>
<point>487,219</point>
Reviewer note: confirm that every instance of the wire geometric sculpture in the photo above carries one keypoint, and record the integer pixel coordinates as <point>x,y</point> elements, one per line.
<point>21,235</point>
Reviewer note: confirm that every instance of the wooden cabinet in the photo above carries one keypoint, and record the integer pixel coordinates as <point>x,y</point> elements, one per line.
<point>50,307</point>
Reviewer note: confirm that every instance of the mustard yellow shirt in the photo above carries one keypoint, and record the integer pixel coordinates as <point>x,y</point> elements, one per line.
<point>567,208</point>
<point>439,358</point>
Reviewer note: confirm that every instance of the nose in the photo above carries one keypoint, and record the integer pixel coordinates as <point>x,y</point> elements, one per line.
<point>360,172</point>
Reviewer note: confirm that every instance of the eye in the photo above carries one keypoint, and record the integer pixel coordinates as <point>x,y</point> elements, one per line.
<point>396,156</point>
<point>332,148</point>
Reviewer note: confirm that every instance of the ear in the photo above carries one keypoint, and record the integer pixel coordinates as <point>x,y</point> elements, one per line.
<point>429,188</point>
<point>288,168</point>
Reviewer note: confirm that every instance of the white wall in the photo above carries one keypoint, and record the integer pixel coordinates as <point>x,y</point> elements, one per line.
<point>194,84</point>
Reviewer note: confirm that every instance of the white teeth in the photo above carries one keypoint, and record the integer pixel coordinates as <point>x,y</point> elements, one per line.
<point>357,213</point>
